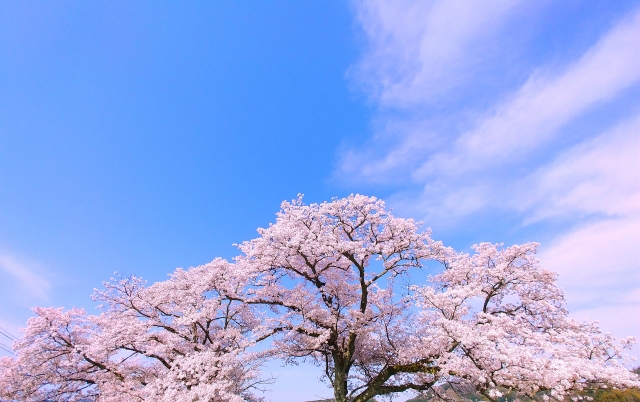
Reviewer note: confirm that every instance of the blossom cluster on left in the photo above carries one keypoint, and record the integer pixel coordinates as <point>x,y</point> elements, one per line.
<point>183,339</point>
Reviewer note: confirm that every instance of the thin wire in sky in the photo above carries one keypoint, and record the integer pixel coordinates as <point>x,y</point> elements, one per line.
<point>7,334</point>
<point>6,348</point>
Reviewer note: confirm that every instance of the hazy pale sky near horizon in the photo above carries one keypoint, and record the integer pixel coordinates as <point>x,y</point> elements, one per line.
<point>140,137</point>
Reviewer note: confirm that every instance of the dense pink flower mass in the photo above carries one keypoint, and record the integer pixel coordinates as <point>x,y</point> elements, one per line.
<point>182,339</point>
<point>497,319</point>
<point>327,282</point>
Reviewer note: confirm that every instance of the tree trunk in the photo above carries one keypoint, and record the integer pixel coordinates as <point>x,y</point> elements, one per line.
<point>340,386</point>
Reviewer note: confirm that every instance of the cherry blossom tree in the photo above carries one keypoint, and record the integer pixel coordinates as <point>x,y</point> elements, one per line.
<point>182,339</point>
<point>333,273</point>
<point>329,283</point>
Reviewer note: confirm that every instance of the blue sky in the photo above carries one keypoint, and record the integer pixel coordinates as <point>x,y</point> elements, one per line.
<point>140,137</point>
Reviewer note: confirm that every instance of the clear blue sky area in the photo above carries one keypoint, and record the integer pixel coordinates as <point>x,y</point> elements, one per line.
<point>142,137</point>
<point>139,137</point>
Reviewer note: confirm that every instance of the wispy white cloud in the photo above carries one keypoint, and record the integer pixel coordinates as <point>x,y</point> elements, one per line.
<point>599,267</point>
<point>596,259</point>
<point>399,145</point>
<point>419,50</point>
<point>599,176</point>
<point>528,119</point>
<point>28,276</point>
<point>545,103</point>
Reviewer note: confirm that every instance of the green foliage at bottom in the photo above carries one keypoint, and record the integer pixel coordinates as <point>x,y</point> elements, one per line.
<point>616,395</point>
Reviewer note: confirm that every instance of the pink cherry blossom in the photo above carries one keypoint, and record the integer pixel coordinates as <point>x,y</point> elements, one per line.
<point>329,283</point>
<point>176,340</point>
<point>332,274</point>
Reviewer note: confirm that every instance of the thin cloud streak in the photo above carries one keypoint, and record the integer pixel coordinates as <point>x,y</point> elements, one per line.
<point>599,267</point>
<point>26,275</point>
<point>420,50</point>
<point>599,176</point>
